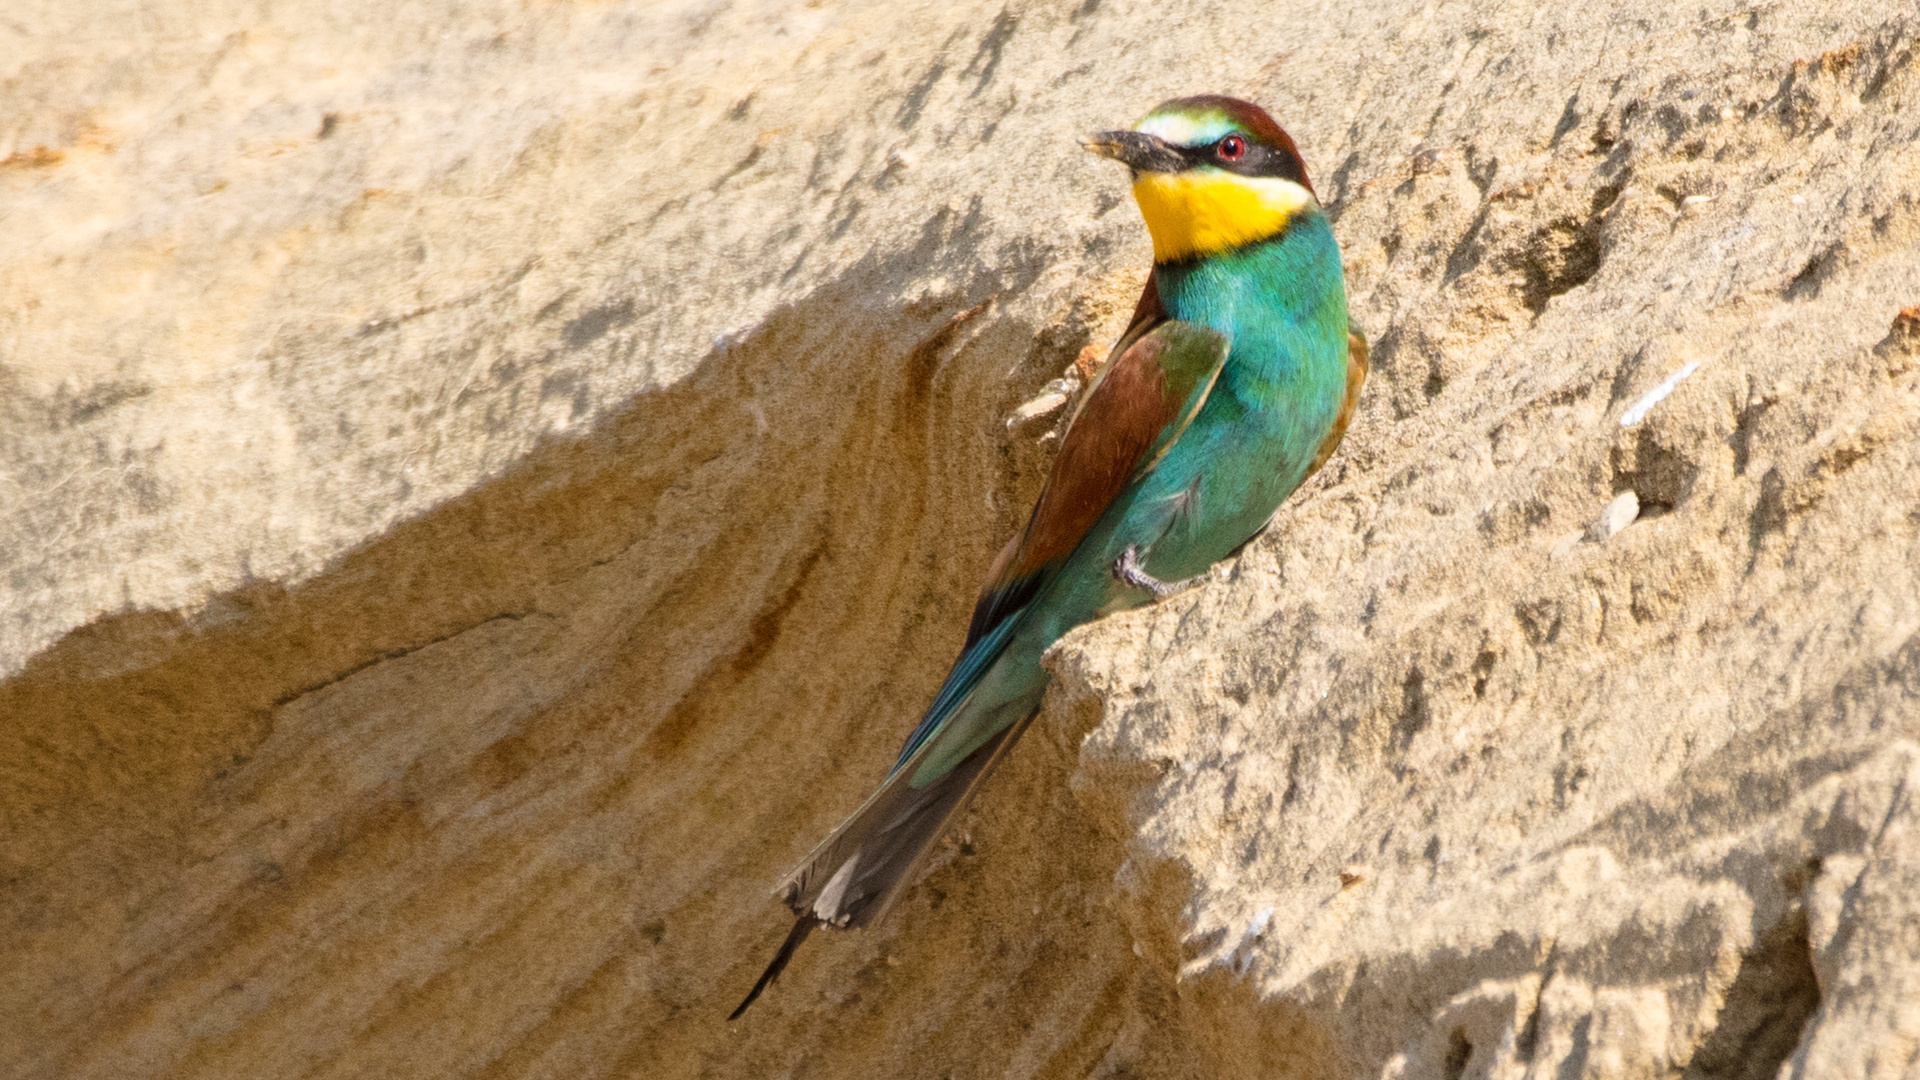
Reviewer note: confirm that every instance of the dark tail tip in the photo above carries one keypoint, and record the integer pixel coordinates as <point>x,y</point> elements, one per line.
<point>801,928</point>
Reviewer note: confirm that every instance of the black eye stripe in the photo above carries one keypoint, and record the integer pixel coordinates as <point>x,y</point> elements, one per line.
<point>1209,154</point>
<point>1257,160</point>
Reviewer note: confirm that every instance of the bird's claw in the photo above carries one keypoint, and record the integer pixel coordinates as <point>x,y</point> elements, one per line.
<point>1127,568</point>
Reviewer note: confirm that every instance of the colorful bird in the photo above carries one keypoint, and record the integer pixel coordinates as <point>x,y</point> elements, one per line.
<point>1233,383</point>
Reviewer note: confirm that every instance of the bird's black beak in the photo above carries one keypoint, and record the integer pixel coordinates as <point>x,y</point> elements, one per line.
<point>1136,150</point>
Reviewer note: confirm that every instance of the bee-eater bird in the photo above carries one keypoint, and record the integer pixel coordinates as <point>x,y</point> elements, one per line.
<point>1232,384</point>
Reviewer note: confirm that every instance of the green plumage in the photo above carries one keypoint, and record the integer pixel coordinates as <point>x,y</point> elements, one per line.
<point>1249,446</point>
<point>1233,383</point>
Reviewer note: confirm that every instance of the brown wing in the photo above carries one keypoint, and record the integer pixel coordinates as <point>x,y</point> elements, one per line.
<point>1139,401</point>
<point>1357,368</point>
<point>1148,313</point>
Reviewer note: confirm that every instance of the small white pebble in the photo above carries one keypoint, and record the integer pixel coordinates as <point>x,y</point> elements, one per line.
<point>1051,397</point>
<point>1047,402</point>
<point>1696,200</point>
<point>1261,919</point>
<point>1798,200</point>
<point>1619,514</point>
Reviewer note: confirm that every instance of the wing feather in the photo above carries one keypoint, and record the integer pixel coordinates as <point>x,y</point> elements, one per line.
<point>1138,405</point>
<point>1357,368</point>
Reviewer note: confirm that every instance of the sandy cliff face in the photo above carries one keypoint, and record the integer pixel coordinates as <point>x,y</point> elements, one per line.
<point>487,486</point>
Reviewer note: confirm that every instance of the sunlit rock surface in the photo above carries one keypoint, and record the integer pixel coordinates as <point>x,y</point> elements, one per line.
<point>483,487</point>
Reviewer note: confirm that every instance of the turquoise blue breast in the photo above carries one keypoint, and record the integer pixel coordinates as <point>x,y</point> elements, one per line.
<point>1283,304</point>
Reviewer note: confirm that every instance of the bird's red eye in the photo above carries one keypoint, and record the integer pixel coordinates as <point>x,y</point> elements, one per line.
<point>1232,148</point>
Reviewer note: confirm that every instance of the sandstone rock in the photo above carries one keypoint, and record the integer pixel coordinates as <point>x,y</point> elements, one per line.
<point>487,485</point>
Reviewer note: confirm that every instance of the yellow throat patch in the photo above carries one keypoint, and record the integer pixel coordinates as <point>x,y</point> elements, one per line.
<point>1195,214</point>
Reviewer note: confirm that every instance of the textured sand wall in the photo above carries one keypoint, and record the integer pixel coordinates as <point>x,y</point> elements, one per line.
<point>486,486</point>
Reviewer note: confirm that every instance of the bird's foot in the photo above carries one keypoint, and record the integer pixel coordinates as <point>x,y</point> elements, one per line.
<point>1127,568</point>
